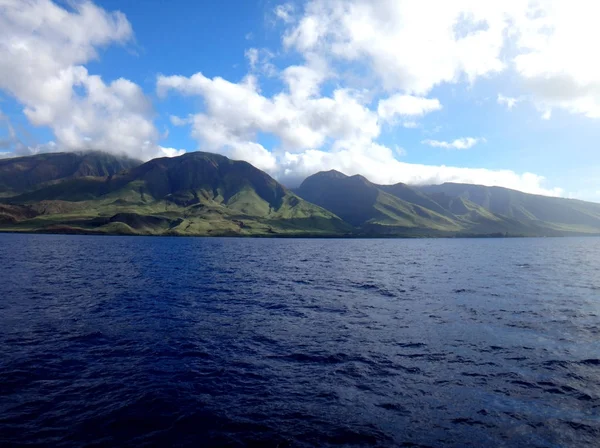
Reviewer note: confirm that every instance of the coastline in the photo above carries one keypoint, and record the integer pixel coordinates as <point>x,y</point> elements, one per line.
<point>358,235</point>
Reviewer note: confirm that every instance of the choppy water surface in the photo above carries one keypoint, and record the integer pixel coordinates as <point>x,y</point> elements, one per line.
<point>235,342</point>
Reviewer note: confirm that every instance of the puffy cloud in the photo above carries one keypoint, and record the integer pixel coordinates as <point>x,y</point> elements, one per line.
<point>459,143</point>
<point>255,154</point>
<point>171,152</point>
<point>549,44</point>
<point>43,49</point>
<point>406,105</point>
<point>302,81</point>
<point>410,46</point>
<point>557,43</point>
<point>507,101</point>
<point>237,112</point>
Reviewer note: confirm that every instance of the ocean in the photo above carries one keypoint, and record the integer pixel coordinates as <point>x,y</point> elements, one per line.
<point>146,341</point>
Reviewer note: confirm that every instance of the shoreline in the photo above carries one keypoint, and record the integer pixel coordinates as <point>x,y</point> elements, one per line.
<point>85,232</point>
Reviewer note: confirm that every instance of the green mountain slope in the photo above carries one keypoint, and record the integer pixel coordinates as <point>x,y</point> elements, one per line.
<point>208,194</point>
<point>448,209</point>
<point>22,174</point>
<point>373,208</point>
<point>194,194</point>
<point>542,213</point>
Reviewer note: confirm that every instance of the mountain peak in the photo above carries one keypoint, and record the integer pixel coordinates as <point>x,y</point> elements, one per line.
<point>358,177</point>
<point>331,174</point>
<point>201,155</point>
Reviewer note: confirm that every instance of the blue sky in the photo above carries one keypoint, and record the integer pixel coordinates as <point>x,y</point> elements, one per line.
<point>296,87</point>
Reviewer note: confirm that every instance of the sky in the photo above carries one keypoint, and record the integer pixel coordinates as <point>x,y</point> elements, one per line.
<point>493,93</point>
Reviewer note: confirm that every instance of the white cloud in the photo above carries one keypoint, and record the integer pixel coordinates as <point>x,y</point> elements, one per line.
<point>556,61</point>
<point>410,46</point>
<point>255,154</point>
<point>406,105</point>
<point>236,112</point>
<point>260,61</point>
<point>171,152</point>
<point>43,49</point>
<point>410,124</point>
<point>399,151</point>
<point>285,12</point>
<point>459,143</point>
<point>507,101</point>
<point>414,46</point>
<point>302,81</point>
<point>252,56</point>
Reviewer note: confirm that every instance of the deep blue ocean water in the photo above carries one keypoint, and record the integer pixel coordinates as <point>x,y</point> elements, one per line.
<point>133,341</point>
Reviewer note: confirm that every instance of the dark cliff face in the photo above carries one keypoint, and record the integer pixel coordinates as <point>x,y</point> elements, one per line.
<point>351,198</point>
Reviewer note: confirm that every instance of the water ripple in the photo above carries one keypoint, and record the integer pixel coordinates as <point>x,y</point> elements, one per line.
<point>231,342</point>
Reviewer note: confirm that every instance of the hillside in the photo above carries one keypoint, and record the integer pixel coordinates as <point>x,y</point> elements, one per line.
<point>543,212</point>
<point>362,203</point>
<point>21,174</point>
<point>194,194</point>
<point>208,194</point>
<point>448,209</point>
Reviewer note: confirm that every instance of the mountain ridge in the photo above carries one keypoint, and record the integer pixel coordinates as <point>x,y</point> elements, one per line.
<point>196,193</point>
<point>469,209</point>
<point>202,193</point>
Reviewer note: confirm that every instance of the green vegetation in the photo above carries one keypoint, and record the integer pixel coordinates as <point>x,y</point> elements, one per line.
<point>194,194</point>
<point>208,194</point>
<point>539,215</point>
<point>447,210</point>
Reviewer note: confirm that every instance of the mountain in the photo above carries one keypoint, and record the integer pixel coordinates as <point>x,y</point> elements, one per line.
<point>208,194</point>
<point>194,194</point>
<point>448,209</point>
<point>364,204</point>
<point>22,174</point>
<point>546,214</point>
